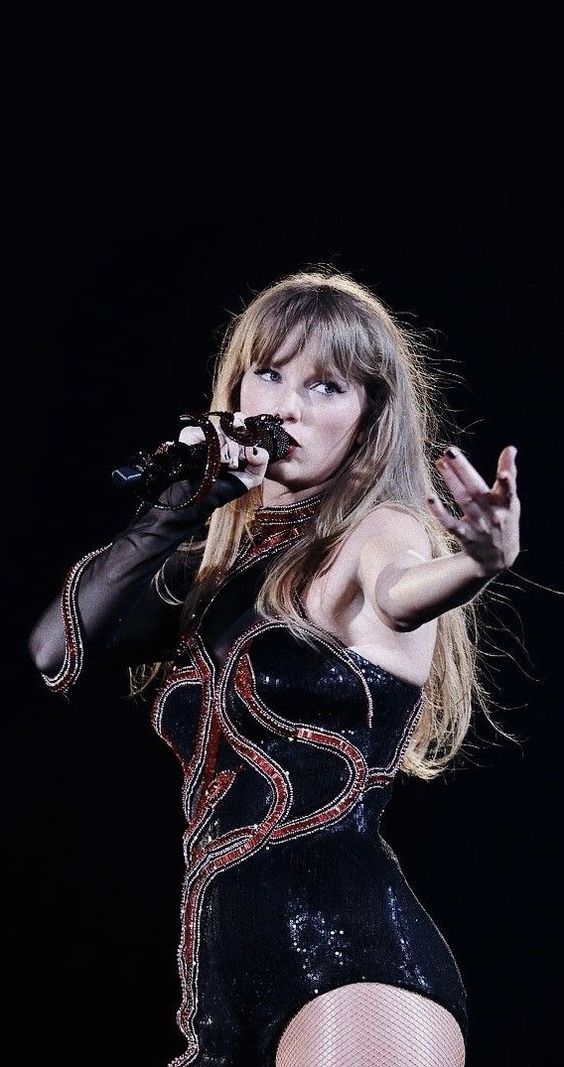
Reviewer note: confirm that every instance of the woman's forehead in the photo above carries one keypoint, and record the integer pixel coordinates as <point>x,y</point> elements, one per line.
<point>310,352</point>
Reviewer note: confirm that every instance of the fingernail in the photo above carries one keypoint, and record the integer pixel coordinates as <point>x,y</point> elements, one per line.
<point>452,452</point>
<point>255,451</point>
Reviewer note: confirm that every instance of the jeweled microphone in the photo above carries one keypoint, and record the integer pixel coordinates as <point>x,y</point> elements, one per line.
<point>175,460</point>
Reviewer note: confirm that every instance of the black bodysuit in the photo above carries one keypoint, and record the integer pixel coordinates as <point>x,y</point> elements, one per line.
<point>288,753</point>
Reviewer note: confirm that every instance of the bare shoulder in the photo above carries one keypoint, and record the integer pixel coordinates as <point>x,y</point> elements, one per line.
<point>386,543</point>
<point>342,600</point>
<point>390,534</point>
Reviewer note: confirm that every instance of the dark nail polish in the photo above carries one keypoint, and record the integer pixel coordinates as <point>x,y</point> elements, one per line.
<point>450,452</point>
<point>255,451</point>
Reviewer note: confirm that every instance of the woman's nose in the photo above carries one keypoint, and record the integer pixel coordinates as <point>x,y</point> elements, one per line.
<point>289,406</point>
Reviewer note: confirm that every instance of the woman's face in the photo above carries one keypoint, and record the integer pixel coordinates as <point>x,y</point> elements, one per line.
<point>321,413</point>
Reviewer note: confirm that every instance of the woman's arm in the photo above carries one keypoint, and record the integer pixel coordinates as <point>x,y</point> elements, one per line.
<point>113,607</point>
<point>406,594</point>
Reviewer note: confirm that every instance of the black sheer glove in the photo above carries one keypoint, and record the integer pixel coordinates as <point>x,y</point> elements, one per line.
<point>121,604</point>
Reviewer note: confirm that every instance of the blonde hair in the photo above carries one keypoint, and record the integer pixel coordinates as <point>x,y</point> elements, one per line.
<point>392,466</point>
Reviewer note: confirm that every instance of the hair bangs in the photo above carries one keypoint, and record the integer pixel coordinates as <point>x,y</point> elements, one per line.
<point>284,332</point>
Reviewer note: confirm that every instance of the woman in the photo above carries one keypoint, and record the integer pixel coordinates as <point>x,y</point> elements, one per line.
<point>309,623</point>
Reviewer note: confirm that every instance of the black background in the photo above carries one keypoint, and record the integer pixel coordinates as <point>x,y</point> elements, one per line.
<point>112,330</point>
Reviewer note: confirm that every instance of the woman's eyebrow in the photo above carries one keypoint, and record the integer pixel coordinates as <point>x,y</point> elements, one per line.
<point>317,368</point>
<point>329,372</point>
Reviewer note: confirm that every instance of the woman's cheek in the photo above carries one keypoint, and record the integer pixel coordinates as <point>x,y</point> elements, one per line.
<point>252,399</point>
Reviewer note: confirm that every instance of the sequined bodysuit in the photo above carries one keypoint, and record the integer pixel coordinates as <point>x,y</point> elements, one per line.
<point>289,754</point>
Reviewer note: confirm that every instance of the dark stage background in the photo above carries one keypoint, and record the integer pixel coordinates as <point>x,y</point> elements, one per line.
<point>112,333</point>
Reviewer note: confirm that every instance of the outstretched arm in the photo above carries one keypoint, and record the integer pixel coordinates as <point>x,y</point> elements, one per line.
<point>407,594</point>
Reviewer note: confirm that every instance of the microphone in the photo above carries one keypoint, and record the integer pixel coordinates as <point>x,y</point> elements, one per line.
<point>148,473</point>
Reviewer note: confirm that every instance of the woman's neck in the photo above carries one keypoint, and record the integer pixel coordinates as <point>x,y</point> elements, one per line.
<point>275,494</point>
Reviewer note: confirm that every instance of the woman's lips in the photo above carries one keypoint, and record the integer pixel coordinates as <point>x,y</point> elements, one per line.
<point>291,451</point>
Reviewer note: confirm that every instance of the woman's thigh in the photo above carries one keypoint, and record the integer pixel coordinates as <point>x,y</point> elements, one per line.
<point>369,1024</point>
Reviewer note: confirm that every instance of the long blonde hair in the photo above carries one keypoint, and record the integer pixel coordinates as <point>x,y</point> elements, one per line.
<point>401,430</point>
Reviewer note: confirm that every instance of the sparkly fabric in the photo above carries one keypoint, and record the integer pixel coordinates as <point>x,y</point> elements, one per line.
<point>112,609</point>
<point>289,754</point>
<point>291,898</point>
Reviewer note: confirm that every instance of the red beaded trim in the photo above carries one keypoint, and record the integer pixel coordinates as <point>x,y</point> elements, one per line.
<point>283,514</point>
<point>74,647</point>
<point>207,858</point>
<point>286,520</point>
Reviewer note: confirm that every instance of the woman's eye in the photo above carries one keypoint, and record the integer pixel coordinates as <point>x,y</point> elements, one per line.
<point>266,370</point>
<point>332,385</point>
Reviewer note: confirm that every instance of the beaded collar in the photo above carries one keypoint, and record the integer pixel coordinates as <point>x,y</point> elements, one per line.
<point>271,518</point>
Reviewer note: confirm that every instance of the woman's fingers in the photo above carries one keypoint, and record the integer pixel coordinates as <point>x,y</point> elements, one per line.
<point>231,452</point>
<point>462,478</point>
<point>191,435</point>
<point>450,522</point>
<point>465,484</point>
<point>505,487</point>
<point>468,487</point>
<point>488,528</point>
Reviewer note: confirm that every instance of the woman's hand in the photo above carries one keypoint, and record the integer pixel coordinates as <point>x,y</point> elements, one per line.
<point>231,451</point>
<point>488,529</point>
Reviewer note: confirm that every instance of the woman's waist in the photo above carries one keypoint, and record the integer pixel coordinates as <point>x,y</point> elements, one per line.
<point>347,860</point>
<point>234,830</point>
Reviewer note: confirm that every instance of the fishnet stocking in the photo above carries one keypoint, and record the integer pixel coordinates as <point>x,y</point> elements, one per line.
<point>368,1024</point>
